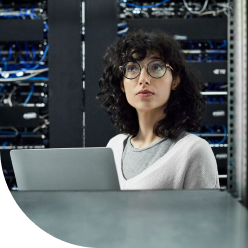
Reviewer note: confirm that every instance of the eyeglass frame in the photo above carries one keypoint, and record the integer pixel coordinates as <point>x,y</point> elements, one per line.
<point>167,66</point>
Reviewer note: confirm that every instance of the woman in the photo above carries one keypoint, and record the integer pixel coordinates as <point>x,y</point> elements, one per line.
<point>154,101</point>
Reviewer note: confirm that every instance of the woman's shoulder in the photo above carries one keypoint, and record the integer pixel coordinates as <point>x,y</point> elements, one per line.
<point>197,153</point>
<point>118,139</point>
<point>193,139</point>
<point>193,144</point>
<point>197,146</point>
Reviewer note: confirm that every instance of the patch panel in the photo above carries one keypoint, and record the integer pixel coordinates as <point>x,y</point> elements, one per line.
<point>171,9</point>
<point>23,9</point>
<point>24,94</point>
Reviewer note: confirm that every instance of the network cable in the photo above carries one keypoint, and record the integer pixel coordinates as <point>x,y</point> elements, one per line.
<point>144,7</point>
<point>19,14</point>
<point>224,44</point>
<point>225,135</point>
<point>123,31</point>
<point>14,132</point>
<point>4,60</point>
<point>45,124</point>
<point>23,78</point>
<point>20,73</point>
<point>19,133</point>
<point>42,58</point>
<point>29,95</point>
<point>4,144</point>
<point>196,12</point>
<point>212,131</point>
<point>122,25</point>
<point>10,95</point>
<point>36,78</point>
<point>210,43</point>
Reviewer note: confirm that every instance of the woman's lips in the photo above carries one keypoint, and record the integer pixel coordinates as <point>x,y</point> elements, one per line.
<point>145,94</point>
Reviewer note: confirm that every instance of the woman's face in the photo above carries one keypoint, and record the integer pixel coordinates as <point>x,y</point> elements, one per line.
<point>146,93</point>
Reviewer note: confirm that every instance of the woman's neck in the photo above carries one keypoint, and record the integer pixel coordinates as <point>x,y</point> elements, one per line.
<point>145,136</point>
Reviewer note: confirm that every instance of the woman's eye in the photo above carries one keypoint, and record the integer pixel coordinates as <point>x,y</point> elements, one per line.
<point>131,68</point>
<point>157,67</point>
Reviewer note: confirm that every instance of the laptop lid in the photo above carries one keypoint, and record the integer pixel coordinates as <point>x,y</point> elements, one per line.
<point>65,169</point>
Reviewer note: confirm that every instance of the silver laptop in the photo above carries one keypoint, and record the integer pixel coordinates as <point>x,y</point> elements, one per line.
<point>65,169</point>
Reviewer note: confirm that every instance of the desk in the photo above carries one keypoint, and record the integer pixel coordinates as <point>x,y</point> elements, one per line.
<point>133,219</point>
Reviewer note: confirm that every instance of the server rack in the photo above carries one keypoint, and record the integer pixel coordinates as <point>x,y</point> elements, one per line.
<point>23,81</point>
<point>51,115</point>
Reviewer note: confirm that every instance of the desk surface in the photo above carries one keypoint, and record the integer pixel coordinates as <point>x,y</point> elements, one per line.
<point>133,219</point>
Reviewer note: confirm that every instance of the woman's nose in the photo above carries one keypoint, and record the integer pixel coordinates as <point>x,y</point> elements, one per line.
<point>144,77</point>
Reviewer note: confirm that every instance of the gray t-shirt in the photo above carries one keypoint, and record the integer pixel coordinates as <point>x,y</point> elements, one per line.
<point>135,160</point>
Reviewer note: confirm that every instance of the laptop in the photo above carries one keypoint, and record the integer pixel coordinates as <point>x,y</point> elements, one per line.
<point>65,169</point>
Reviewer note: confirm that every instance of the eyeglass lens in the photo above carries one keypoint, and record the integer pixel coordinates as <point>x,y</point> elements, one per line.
<point>156,69</point>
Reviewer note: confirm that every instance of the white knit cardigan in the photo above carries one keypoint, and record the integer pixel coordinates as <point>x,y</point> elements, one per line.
<point>189,164</point>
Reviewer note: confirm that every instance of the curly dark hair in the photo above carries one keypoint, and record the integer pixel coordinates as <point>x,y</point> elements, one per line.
<point>185,105</point>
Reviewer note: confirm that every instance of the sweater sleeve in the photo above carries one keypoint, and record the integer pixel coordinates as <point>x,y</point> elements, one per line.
<point>110,143</point>
<point>116,140</point>
<point>202,170</point>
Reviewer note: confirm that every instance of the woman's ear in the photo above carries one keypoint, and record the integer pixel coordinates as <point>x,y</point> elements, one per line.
<point>175,83</point>
<point>122,86</point>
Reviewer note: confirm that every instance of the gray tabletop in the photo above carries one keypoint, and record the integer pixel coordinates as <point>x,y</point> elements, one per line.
<point>174,219</point>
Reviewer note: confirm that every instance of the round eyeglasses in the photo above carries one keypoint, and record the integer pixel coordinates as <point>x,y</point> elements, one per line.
<point>156,69</point>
